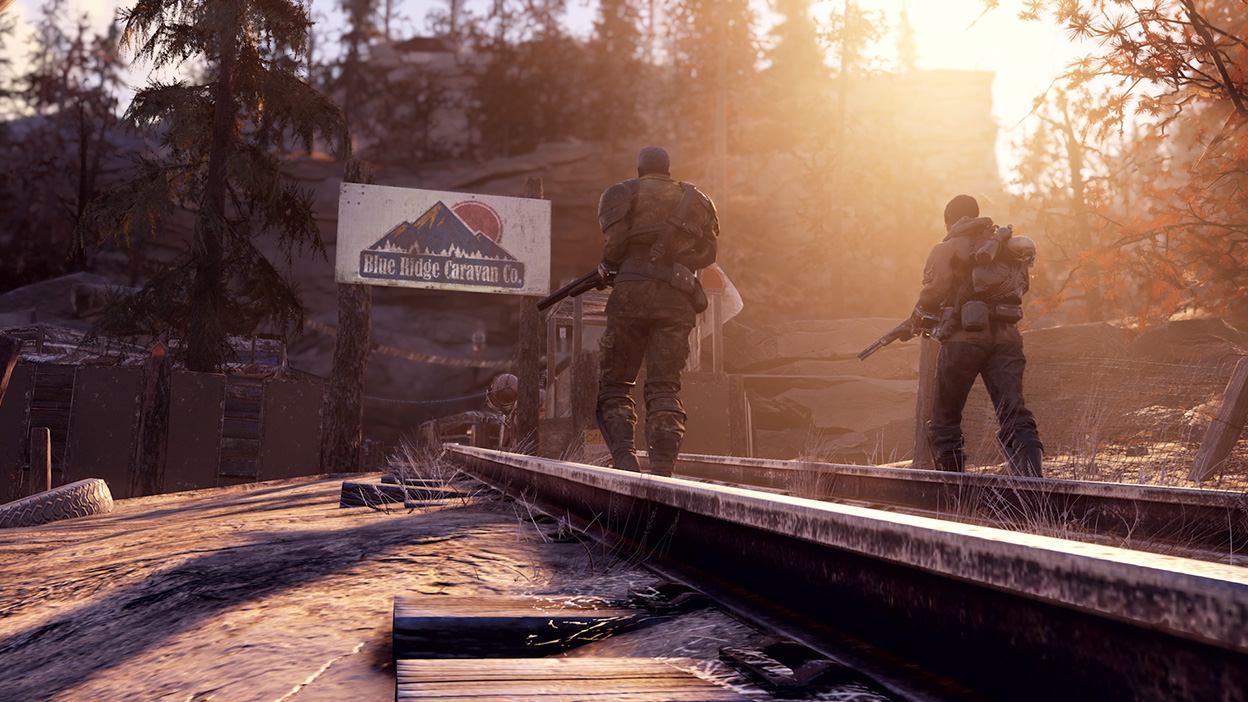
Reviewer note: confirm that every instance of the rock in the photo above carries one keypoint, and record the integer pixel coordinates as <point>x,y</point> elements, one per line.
<point>784,444</point>
<point>895,362</point>
<point>855,404</point>
<point>1190,340</point>
<point>889,443</point>
<point>769,414</point>
<point>52,300</point>
<point>1092,340</point>
<point>809,339</point>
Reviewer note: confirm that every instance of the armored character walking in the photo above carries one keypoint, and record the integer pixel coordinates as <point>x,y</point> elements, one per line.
<point>973,283</point>
<point>658,232</point>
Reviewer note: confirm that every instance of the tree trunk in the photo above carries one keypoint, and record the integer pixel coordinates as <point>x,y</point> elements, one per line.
<point>344,424</point>
<point>149,461</point>
<point>205,336</point>
<point>929,350</point>
<point>10,351</point>
<point>1083,232</point>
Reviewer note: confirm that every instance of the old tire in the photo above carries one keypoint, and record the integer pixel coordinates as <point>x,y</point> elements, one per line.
<point>80,499</point>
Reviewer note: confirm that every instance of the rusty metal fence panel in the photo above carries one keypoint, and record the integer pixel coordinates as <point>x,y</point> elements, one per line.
<point>196,409</point>
<point>104,418</point>
<point>290,442</point>
<point>223,430</point>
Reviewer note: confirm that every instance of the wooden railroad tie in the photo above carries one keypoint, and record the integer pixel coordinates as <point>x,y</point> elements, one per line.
<point>554,680</point>
<point>440,626</point>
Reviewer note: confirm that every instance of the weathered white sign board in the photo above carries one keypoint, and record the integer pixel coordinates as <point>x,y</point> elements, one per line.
<point>450,241</point>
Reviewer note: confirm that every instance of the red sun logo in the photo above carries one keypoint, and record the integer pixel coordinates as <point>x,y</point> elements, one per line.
<point>480,218</point>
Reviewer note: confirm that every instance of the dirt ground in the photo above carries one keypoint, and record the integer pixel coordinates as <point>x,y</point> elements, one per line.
<point>272,593</point>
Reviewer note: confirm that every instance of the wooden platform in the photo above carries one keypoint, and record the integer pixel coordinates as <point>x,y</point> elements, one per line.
<point>438,626</point>
<point>554,680</point>
<point>362,494</point>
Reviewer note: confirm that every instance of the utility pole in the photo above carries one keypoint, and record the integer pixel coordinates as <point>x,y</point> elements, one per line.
<point>836,249</point>
<point>720,180</point>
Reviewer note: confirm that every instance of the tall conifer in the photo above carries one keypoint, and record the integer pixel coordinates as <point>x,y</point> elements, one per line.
<point>221,160</point>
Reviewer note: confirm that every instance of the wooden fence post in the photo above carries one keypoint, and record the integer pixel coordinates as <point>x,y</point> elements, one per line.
<point>528,401</point>
<point>40,460</point>
<point>929,349</point>
<point>10,351</point>
<point>344,425</point>
<point>148,477</point>
<point>584,398</point>
<point>1226,427</point>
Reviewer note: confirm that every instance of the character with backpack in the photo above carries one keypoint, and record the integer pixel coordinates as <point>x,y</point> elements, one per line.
<point>973,286</point>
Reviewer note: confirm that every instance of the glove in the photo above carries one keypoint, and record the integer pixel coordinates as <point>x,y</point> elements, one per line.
<point>606,274</point>
<point>922,322</point>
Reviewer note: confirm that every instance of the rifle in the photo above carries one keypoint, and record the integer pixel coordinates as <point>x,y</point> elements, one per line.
<point>593,280</point>
<point>902,332</point>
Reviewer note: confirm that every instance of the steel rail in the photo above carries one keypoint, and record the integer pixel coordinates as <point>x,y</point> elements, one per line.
<point>1167,519</point>
<point>1008,615</point>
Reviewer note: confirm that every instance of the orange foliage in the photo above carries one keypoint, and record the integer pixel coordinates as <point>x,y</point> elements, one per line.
<point>1168,182</point>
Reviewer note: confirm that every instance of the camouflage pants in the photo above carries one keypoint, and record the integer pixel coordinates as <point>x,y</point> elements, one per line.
<point>1001,366</point>
<point>664,346</point>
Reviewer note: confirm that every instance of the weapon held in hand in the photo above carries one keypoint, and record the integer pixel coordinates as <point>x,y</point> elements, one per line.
<point>596,279</point>
<point>901,332</point>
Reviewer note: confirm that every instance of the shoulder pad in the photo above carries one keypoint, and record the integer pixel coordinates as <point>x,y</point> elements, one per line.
<point>616,202</point>
<point>705,201</point>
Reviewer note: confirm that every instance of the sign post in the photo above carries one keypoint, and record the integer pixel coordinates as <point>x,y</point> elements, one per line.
<point>402,237</point>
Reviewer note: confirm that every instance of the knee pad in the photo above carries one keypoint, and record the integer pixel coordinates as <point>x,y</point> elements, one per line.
<point>664,403</point>
<point>615,403</point>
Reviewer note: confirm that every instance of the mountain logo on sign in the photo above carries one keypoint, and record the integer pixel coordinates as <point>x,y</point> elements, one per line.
<point>440,232</point>
<point>454,247</point>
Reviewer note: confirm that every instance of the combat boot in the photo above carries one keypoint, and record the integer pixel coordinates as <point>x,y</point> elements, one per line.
<point>664,448</point>
<point>1027,462</point>
<point>950,461</point>
<point>617,432</point>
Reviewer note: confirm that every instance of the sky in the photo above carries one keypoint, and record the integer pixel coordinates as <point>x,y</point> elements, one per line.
<point>1024,56</point>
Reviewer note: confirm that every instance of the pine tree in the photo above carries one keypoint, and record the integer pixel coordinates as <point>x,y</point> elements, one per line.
<point>528,77</point>
<point>907,45</point>
<point>714,54</point>
<point>615,87</point>
<point>797,82</point>
<point>54,158</point>
<point>221,161</point>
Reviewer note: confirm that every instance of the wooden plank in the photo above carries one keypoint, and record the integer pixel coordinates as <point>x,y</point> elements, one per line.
<point>1226,427</point>
<point>929,349</point>
<point>554,680</point>
<point>513,627</point>
<point>13,432</point>
<point>51,402</point>
<point>10,351</point>
<point>40,460</point>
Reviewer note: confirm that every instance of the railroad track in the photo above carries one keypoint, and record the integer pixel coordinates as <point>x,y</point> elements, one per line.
<point>1205,524</point>
<point>929,609</point>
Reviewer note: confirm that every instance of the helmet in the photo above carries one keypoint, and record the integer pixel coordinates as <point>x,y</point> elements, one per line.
<point>503,392</point>
<point>1023,248</point>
